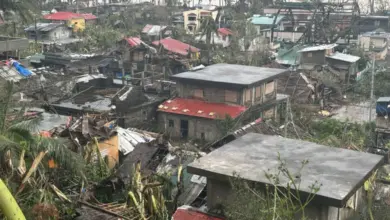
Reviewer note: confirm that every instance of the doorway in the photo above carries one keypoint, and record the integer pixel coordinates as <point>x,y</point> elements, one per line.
<point>184,128</point>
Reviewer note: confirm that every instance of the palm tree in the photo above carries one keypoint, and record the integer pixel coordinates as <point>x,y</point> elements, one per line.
<point>19,146</point>
<point>209,28</point>
<point>24,8</point>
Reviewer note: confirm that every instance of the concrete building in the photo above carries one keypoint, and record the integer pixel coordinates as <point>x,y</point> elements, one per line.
<point>222,38</point>
<point>341,173</point>
<point>207,96</point>
<point>193,18</point>
<point>376,42</point>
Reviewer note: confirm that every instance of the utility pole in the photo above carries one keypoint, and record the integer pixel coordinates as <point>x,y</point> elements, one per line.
<point>36,31</point>
<point>372,87</point>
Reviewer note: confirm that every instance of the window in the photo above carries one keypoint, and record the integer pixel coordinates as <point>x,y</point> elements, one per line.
<point>309,54</point>
<point>138,56</point>
<point>377,23</point>
<point>269,87</point>
<point>171,124</point>
<point>230,96</point>
<point>198,93</point>
<point>247,95</point>
<point>258,92</point>
<point>202,136</point>
<point>192,17</point>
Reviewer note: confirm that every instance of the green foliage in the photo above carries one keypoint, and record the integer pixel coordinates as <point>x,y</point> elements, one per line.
<point>342,134</point>
<point>381,84</point>
<point>19,148</point>
<point>226,125</point>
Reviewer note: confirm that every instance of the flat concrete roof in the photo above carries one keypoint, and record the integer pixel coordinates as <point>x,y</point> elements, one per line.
<point>340,171</point>
<point>231,74</point>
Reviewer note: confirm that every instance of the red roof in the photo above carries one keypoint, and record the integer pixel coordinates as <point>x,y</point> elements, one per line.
<point>225,31</point>
<point>200,108</point>
<point>175,46</point>
<point>134,41</point>
<point>89,16</point>
<point>66,15</point>
<point>184,213</point>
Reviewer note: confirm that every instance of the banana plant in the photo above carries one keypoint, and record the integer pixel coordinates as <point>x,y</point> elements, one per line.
<point>8,205</point>
<point>147,197</point>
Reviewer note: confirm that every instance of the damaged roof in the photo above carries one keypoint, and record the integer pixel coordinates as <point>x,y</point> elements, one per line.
<point>200,108</point>
<point>175,46</point>
<point>153,30</point>
<point>231,74</point>
<point>340,171</point>
<point>317,48</point>
<point>344,57</point>
<point>134,41</point>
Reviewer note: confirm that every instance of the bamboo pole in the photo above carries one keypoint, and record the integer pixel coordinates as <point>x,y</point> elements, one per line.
<point>8,205</point>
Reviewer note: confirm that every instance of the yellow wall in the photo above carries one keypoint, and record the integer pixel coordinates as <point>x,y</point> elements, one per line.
<point>78,24</point>
<point>197,22</point>
<point>109,149</point>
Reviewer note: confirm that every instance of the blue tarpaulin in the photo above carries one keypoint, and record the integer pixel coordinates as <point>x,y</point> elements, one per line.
<point>21,69</point>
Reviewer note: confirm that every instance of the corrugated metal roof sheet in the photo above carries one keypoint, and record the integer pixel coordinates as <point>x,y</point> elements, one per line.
<point>189,213</point>
<point>319,47</point>
<point>344,57</point>
<point>225,31</point>
<point>10,74</point>
<point>66,15</point>
<point>44,27</point>
<point>153,30</point>
<point>134,41</point>
<point>199,108</point>
<point>265,20</point>
<point>129,139</point>
<point>62,16</point>
<point>175,46</point>
<point>383,99</point>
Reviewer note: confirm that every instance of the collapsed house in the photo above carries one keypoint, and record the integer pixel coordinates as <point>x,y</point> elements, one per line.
<point>334,200</point>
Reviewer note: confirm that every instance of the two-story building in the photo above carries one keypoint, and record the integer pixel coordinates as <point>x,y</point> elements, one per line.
<point>134,53</point>
<point>210,95</point>
<point>375,42</point>
<point>338,174</point>
<point>193,19</point>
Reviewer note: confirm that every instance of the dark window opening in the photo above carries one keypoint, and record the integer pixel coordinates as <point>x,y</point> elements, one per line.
<point>184,128</point>
<point>171,124</point>
<point>202,136</point>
